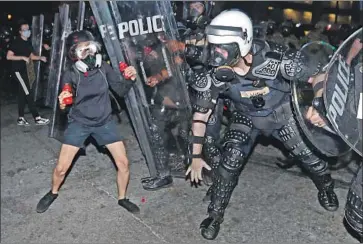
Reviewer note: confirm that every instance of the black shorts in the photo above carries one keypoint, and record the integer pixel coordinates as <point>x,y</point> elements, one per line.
<point>76,134</point>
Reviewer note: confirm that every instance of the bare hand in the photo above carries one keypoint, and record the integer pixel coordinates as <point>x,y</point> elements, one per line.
<point>43,59</point>
<point>195,169</point>
<point>64,94</point>
<point>26,59</point>
<point>314,117</point>
<point>152,81</point>
<point>168,102</point>
<point>130,72</point>
<point>46,46</point>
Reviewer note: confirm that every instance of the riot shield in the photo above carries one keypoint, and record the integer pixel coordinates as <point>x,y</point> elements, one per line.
<point>53,61</point>
<point>37,42</point>
<point>343,91</point>
<point>145,35</point>
<point>323,138</point>
<point>68,14</point>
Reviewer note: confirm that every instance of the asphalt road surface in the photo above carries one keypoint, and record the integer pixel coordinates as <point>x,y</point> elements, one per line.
<point>269,204</point>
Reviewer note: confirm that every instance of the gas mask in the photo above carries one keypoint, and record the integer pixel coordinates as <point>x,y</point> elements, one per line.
<point>87,56</point>
<point>224,54</point>
<point>223,57</point>
<point>196,19</point>
<point>26,33</point>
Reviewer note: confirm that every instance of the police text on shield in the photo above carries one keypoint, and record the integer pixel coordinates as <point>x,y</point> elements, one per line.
<point>134,27</point>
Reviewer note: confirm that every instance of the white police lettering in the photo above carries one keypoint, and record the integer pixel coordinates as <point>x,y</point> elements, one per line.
<point>136,27</point>
<point>107,29</point>
<point>340,94</point>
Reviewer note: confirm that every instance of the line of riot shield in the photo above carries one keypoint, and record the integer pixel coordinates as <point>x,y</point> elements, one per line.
<point>53,60</point>
<point>314,55</point>
<point>37,43</point>
<point>343,93</point>
<point>145,35</point>
<point>68,14</point>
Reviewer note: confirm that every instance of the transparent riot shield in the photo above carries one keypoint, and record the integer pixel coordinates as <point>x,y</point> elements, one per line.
<point>145,35</point>
<point>68,14</point>
<point>343,93</point>
<point>324,138</point>
<point>53,62</point>
<point>37,42</point>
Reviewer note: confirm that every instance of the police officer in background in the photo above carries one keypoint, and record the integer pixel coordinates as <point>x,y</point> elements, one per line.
<point>287,30</point>
<point>5,77</point>
<point>272,33</point>
<point>317,34</point>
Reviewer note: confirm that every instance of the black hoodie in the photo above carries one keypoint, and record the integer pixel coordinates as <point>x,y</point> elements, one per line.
<point>91,96</point>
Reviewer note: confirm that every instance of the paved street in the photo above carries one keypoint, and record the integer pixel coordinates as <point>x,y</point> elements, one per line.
<point>269,205</point>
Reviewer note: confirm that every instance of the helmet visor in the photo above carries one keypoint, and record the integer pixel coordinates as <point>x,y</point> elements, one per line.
<point>223,54</point>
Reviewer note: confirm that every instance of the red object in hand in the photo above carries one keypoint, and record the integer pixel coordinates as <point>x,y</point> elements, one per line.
<point>123,66</point>
<point>68,100</point>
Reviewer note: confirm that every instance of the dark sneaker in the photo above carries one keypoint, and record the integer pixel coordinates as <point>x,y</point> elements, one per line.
<point>46,201</point>
<point>23,121</point>
<point>42,121</point>
<point>129,206</point>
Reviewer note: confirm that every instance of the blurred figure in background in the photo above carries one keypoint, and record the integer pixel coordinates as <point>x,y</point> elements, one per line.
<point>317,34</point>
<point>287,31</point>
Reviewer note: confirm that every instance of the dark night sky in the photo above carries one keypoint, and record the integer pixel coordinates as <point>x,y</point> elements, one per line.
<point>26,10</point>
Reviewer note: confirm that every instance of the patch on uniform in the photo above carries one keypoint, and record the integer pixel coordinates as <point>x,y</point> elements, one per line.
<point>212,120</point>
<point>268,69</point>
<point>257,92</point>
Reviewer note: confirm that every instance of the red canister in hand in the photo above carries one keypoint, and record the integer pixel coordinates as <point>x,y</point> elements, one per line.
<point>123,66</point>
<point>67,100</point>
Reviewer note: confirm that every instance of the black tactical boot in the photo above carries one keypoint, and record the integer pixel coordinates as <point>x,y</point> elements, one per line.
<point>46,201</point>
<point>326,195</point>
<point>156,183</point>
<point>209,228</point>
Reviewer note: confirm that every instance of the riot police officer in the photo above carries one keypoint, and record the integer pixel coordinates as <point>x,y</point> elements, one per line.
<point>261,101</point>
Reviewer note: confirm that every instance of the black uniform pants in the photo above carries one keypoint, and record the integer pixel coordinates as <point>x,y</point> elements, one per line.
<point>238,142</point>
<point>25,94</point>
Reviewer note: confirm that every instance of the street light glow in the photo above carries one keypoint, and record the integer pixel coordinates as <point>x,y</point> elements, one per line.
<point>9,16</point>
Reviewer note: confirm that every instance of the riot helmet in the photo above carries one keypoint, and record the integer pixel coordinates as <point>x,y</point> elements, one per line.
<point>47,32</point>
<point>83,50</point>
<point>5,33</point>
<point>197,13</point>
<point>230,37</point>
<point>271,27</point>
<point>287,28</point>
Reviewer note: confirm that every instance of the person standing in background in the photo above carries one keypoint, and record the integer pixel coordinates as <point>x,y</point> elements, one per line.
<point>20,53</point>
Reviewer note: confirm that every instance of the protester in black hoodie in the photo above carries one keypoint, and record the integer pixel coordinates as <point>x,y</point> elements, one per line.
<point>90,113</point>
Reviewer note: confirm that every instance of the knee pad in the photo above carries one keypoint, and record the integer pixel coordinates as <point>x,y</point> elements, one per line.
<point>236,137</point>
<point>212,152</point>
<point>233,160</point>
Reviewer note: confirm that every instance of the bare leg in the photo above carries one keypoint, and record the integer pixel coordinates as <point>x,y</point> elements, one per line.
<point>66,157</point>
<point>118,153</point>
